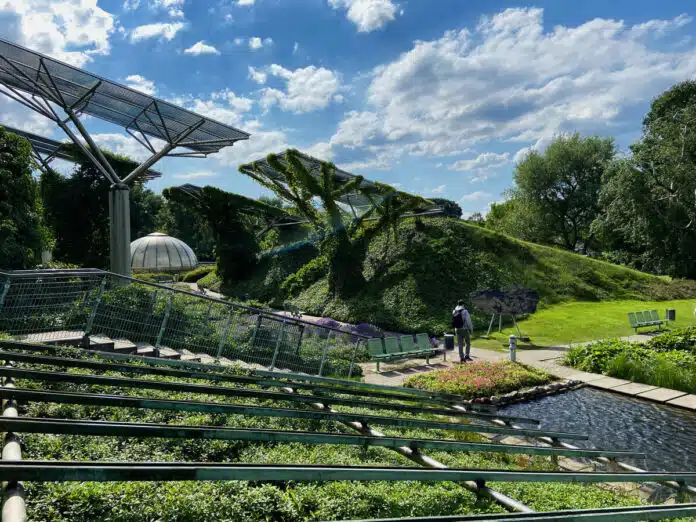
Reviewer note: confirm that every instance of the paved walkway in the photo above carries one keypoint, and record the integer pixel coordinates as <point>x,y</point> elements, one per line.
<point>548,359</point>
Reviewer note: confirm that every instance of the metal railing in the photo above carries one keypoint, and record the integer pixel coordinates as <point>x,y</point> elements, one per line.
<point>65,305</point>
<point>27,364</point>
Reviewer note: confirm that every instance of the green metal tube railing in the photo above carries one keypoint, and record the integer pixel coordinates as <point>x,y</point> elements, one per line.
<point>54,471</point>
<point>129,429</point>
<point>234,392</point>
<point>124,401</point>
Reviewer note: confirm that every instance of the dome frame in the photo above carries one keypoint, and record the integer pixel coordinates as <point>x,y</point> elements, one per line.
<point>158,252</point>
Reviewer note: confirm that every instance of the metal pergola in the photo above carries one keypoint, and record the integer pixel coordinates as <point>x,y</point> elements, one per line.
<point>49,87</point>
<point>44,150</point>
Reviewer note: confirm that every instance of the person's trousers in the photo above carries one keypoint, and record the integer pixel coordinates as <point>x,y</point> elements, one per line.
<point>462,339</point>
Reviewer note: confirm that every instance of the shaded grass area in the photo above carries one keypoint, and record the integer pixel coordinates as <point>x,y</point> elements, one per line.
<point>479,379</point>
<point>259,501</point>
<point>567,323</point>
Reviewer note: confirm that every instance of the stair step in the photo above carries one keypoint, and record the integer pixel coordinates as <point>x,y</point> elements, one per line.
<point>61,337</point>
<point>124,346</point>
<point>101,343</point>
<point>188,355</point>
<point>168,353</point>
<point>146,350</point>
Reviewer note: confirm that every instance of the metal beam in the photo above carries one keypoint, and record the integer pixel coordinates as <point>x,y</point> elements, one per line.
<point>208,376</point>
<point>130,429</point>
<point>237,392</point>
<point>73,471</point>
<point>125,401</point>
<point>620,514</point>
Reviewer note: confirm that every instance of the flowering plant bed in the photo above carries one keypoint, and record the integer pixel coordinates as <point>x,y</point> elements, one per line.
<point>480,379</point>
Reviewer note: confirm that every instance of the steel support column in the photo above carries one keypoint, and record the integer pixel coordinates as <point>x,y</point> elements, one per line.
<point>119,220</point>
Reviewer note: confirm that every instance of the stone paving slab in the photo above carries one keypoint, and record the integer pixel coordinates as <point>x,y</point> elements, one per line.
<point>633,388</point>
<point>661,395</point>
<point>686,401</point>
<point>608,383</point>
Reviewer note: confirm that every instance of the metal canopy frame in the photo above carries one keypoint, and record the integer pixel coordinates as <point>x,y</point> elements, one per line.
<point>44,150</point>
<point>46,85</point>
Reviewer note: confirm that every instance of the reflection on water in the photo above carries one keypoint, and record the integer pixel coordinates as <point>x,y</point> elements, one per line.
<point>667,435</point>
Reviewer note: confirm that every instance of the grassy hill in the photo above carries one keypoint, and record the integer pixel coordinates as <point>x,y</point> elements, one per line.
<point>415,277</point>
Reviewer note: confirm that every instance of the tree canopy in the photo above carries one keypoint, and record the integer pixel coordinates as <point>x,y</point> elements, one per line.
<point>22,234</point>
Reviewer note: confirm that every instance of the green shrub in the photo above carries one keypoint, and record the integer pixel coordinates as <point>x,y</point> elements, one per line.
<point>306,276</point>
<point>211,281</point>
<point>674,370</point>
<point>479,379</point>
<point>679,339</point>
<point>594,357</point>
<point>197,273</point>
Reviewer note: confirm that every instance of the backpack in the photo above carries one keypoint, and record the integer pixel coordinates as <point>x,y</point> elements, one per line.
<point>457,320</point>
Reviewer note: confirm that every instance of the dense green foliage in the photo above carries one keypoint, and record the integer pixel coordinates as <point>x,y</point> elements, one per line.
<point>197,273</point>
<point>415,276</point>
<point>557,192</point>
<point>648,199</point>
<point>22,234</point>
<point>479,379</point>
<point>668,360</point>
<point>450,208</point>
<point>341,239</point>
<point>262,501</point>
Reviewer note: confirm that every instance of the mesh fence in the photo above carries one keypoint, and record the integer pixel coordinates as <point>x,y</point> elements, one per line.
<point>68,305</point>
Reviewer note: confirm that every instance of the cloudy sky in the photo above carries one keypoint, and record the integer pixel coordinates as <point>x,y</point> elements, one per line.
<point>438,97</point>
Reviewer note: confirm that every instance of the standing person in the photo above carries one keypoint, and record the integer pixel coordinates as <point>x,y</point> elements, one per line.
<point>461,322</point>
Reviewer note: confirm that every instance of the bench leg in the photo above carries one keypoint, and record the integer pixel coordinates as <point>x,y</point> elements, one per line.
<point>377,366</point>
<point>427,359</point>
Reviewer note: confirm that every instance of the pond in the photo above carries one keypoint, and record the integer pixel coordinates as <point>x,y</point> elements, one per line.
<point>664,433</point>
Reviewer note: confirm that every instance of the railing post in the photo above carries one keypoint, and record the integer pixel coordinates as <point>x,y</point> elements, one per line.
<point>3,293</point>
<point>256,330</point>
<point>163,326</point>
<point>14,507</point>
<point>325,352</point>
<point>299,338</point>
<point>93,312</point>
<point>352,360</point>
<point>223,337</point>
<point>278,344</point>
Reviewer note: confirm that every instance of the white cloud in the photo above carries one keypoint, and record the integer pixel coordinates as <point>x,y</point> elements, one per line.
<point>139,83</point>
<point>257,75</point>
<point>255,42</point>
<point>238,41</point>
<point>321,150</point>
<point>511,79</point>
<point>484,161</point>
<point>307,89</point>
<point>439,190</point>
<point>131,5</point>
<point>125,145</point>
<point>245,2</point>
<point>196,175</point>
<point>224,106</point>
<point>367,15</point>
<point>476,196</point>
<point>263,143</point>
<point>201,48</point>
<point>295,48</point>
<point>70,30</point>
<point>159,30</point>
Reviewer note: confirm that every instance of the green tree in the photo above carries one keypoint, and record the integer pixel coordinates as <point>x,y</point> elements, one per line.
<point>516,218</point>
<point>560,187</point>
<point>342,239</point>
<point>77,210</point>
<point>22,234</point>
<point>648,201</point>
<point>234,221</point>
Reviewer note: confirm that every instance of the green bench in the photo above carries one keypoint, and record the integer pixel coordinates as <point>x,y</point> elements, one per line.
<point>393,348</point>
<point>645,319</point>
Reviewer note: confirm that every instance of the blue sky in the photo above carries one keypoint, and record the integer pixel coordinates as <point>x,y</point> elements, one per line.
<point>438,97</point>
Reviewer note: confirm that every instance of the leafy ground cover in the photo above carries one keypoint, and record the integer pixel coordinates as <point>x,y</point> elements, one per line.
<point>261,501</point>
<point>566,323</point>
<point>414,277</point>
<point>668,360</point>
<point>479,379</point>
<point>197,273</point>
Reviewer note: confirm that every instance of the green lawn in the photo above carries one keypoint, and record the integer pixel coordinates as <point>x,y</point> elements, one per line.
<point>575,322</point>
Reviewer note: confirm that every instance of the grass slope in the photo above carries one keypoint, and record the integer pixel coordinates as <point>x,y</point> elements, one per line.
<point>415,277</point>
